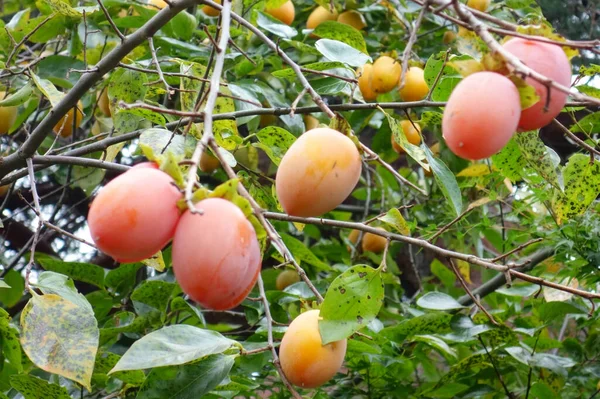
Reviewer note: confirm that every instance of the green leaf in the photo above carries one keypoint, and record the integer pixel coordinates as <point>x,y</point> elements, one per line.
<point>106,361</point>
<point>12,295</point>
<point>186,381</point>
<point>172,346</point>
<point>352,301</point>
<point>123,278</point>
<point>394,219</point>
<point>84,272</point>
<point>538,156</point>
<point>436,343</point>
<point>528,96</point>
<point>315,66</point>
<point>552,311</point>
<point>341,52</point>
<point>438,301</point>
<point>589,124</point>
<point>61,285</point>
<point>127,85</point>
<point>275,142</point>
<point>448,79</point>
<point>3,284</point>
<point>414,151</point>
<point>510,160</point>
<point>183,25</point>
<point>275,26</point>
<point>429,323</point>
<point>449,390</point>
<point>343,33</point>
<point>589,70</point>
<point>582,186</point>
<point>35,388</point>
<point>445,180</point>
<point>518,290</point>
<point>446,276</point>
<point>589,90</point>
<point>20,97</point>
<point>302,253</point>
<point>9,344</point>
<point>60,337</point>
<point>154,293</point>
<point>539,390</point>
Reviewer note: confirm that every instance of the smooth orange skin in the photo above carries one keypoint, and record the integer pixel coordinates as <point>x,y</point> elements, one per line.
<point>285,13</point>
<point>103,102</point>
<point>310,122</point>
<point>134,215</point>
<point>211,12</point>
<point>385,74</point>
<point>352,18</point>
<point>8,116</point>
<point>216,256</point>
<point>320,15</point>
<point>412,135</point>
<point>415,88</point>
<point>64,127</point>
<point>481,115</point>
<point>286,278</point>
<point>306,363</point>
<point>209,163</point>
<point>317,173</point>
<point>551,61</point>
<point>373,242</point>
<point>481,5</point>
<point>364,82</point>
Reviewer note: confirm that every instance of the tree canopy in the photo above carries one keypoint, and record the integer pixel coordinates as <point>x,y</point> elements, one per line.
<point>169,229</point>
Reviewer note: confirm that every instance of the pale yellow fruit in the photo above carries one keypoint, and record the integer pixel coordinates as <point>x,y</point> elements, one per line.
<point>364,82</point>
<point>285,13</point>
<point>373,242</point>
<point>208,163</point>
<point>320,15</point>
<point>64,127</point>
<point>481,5</point>
<point>352,18</point>
<point>310,122</point>
<point>415,87</point>
<point>385,74</point>
<point>412,133</point>
<point>158,3</point>
<point>286,278</point>
<point>103,102</point>
<point>211,12</point>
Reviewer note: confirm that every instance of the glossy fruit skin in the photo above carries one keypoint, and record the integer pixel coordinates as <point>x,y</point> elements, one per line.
<point>352,18</point>
<point>216,256</point>
<point>364,82</point>
<point>317,173</point>
<point>211,12</point>
<point>208,162</point>
<point>373,242</point>
<point>103,102</point>
<point>310,122</point>
<point>385,74</point>
<point>285,13</point>
<point>481,5</point>
<point>481,115</point>
<point>551,61</point>
<point>412,133</point>
<point>8,116</point>
<point>318,16</point>
<point>134,215</point>
<point>415,87</point>
<point>286,278</point>
<point>306,363</point>
<point>64,127</point>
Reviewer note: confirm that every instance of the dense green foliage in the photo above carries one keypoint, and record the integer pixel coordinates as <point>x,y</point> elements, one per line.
<point>85,326</point>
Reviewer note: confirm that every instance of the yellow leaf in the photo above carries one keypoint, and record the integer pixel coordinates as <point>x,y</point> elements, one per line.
<point>299,226</point>
<point>554,295</point>
<point>60,337</point>
<point>465,270</point>
<point>156,262</point>
<point>474,170</point>
<point>546,31</point>
<point>466,67</point>
<point>479,202</point>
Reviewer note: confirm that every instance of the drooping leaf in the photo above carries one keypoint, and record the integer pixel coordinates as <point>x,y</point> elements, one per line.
<point>352,301</point>
<point>35,388</point>
<point>582,186</point>
<point>60,337</point>
<point>341,52</point>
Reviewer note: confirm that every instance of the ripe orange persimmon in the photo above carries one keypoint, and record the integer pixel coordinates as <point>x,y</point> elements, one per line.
<point>364,82</point>
<point>481,5</point>
<point>481,115</point>
<point>551,61</point>
<point>208,162</point>
<point>286,278</point>
<point>317,172</point>
<point>415,87</point>
<point>373,242</point>
<point>320,15</point>
<point>103,102</point>
<point>305,361</point>
<point>285,12</point>
<point>216,256</point>
<point>134,215</point>
<point>412,131</point>
<point>8,116</point>
<point>211,12</point>
<point>64,127</point>
<point>352,18</point>
<point>385,74</point>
